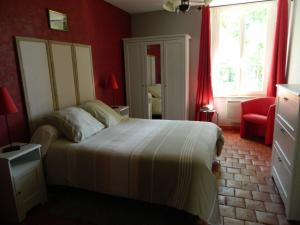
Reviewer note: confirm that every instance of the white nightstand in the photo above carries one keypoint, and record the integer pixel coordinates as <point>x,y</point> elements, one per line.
<point>122,110</point>
<point>22,183</point>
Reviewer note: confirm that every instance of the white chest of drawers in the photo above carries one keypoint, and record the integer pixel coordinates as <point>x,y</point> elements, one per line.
<point>286,148</point>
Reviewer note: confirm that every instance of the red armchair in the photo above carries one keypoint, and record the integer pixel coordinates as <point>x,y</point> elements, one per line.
<point>257,118</point>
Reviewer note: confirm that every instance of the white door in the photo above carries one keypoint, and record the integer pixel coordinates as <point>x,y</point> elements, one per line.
<point>135,80</point>
<point>175,79</point>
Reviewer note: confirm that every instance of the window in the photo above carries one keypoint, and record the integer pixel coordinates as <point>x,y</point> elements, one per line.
<point>242,38</point>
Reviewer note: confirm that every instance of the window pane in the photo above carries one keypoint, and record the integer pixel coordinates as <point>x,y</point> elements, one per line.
<point>226,72</point>
<point>254,50</point>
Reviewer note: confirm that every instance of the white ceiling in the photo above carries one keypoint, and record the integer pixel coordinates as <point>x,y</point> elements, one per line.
<point>137,6</point>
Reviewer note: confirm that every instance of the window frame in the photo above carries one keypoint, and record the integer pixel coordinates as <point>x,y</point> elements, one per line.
<point>215,36</point>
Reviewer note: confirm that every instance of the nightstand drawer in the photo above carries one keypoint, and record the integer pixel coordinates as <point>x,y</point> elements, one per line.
<point>281,173</point>
<point>287,109</point>
<point>29,191</point>
<point>27,184</point>
<point>285,141</point>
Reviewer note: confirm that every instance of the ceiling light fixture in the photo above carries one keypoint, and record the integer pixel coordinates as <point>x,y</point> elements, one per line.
<point>183,5</point>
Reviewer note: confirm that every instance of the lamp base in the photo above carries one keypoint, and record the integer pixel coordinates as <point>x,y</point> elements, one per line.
<point>11,148</point>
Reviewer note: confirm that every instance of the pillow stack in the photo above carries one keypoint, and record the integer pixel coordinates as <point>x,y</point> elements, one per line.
<point>79,123</point>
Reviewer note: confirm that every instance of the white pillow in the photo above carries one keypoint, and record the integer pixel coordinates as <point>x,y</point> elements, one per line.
<point>102,112</point>
<point>44,136</point>
<point>155,90</point>
<point>75,123</point>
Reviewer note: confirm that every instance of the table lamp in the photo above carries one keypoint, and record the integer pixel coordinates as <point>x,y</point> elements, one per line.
<point>7,106</point>
<point>113,85</point>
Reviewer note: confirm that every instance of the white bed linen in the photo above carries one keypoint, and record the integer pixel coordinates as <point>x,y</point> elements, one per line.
<point>159,161</point>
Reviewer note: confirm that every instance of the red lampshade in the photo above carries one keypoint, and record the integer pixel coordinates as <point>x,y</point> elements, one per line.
<point>112,82</point>
<point>7,104</point>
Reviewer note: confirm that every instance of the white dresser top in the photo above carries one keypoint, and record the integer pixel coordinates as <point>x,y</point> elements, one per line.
<point>294,88</point>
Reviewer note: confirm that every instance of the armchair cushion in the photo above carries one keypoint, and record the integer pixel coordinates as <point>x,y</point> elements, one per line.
<point>255,118</point>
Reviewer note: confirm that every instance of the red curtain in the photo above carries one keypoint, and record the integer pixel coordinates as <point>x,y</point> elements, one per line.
<point>204,89</point>
<point>278,65</point>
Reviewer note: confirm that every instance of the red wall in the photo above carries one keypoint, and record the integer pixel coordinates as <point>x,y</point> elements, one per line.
<point>92,22</point>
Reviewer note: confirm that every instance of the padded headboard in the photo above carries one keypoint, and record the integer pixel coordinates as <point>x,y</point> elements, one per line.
<point>55,75</point>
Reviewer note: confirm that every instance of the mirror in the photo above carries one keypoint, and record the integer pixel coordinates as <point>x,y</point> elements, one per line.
<point>154,81</point>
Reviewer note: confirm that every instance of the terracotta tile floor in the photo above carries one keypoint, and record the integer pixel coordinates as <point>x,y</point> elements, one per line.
<point>247,193</point>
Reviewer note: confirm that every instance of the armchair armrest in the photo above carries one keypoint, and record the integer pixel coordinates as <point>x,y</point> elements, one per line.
<point>270,125</point>
<point>271,112</point>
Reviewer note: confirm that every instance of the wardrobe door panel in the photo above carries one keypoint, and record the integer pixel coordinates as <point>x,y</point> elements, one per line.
<point>175,79</point>
<point>63,71</point>
<point>135,80</point>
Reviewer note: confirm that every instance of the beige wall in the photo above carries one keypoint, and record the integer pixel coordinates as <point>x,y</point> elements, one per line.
<point>293,71</point>
<point>163,23</point>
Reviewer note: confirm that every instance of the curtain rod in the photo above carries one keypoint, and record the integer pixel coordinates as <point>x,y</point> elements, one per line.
<point>241,3</point>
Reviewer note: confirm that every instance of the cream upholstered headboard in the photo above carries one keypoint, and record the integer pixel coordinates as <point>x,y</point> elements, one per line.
<point>55,75</point>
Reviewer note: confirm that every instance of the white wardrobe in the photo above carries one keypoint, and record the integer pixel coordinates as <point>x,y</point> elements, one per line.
<point>173,77</point>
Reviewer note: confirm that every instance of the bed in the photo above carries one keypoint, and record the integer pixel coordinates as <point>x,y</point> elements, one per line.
<point>157,161</point>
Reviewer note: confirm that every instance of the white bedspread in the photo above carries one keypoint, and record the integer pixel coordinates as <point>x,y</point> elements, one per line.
<point>159,161</point>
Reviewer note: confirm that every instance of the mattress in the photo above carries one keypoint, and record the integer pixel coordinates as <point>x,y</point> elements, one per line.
<point>157,161</point>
